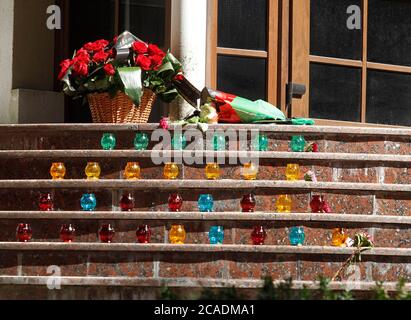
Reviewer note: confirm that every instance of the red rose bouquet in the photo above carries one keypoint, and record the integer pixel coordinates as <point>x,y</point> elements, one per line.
<point>126,64</point>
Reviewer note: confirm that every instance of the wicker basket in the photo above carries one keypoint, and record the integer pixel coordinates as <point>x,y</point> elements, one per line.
<point>120,109</point>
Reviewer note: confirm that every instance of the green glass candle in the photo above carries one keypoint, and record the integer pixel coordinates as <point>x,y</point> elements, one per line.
<point>298,144</point>
<point>141,141</point>
<point>179,142</point>
<point>219,142</point>
<point>108,141</point>
<point>261,143</point>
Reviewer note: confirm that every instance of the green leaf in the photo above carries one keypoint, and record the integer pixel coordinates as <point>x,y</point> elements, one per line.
<point>131,80</point>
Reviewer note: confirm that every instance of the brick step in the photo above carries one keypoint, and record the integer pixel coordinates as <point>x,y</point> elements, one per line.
<point>187,283</point>
<point>305,219</point>
<point>201,248</point>
<point>360,188</point>
<point>330,139</point>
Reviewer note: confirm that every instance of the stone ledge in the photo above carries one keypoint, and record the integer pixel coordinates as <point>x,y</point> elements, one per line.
<point>202,248</point>
<point>359,188</point>
<point>295,156</point>
<point>187,283</point>
<point>303,218</point>
<point>280,129</point>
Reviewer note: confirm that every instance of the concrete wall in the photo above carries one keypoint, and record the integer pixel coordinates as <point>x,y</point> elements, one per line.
<point>6,58</point>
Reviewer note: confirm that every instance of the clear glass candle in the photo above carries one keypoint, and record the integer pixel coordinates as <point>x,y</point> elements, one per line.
<point>298,144</point>
<point>250,171</point>
<point>144,234</point>
<point>177,234</point>
<point>216,235</point>
<point>284,204</point>
<point>296,236</point>
<point>88,202</point>
<point>24,232</point>
<point>213,171</point>
<point>171,171</point>
<point>206,203</point>
<point>132,171</point>
<point>46,202</point>
<point>141,141</point>
<point>107,233</point>
<point>58,171</point>
<point>292,172</point>
<point>67,233</point>
<point>179,142</point>
<point>93,171</point>
<point>108,141</point>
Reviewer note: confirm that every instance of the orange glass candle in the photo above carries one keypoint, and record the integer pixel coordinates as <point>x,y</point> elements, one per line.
<point>58,171</point>
<point>292,172</point>
<point>132,171</point>
<point>171,171</point>
<point>339,237</point>
<point>93,171</point>
<point>284,204</point>
<point>213,171</point>
<point>250,171</point>
<point>177,234</point>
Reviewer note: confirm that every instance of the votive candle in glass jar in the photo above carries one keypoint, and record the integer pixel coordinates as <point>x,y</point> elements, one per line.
<point>284,204</point>
<point>250,171</point>
<point>24,232</point>
<point>216,235</point>
<point>143,234</point>
<point>292,172</point>
<point>206,203</point>
<point>107,233</point>
<point>219,142</point>
<point>171,171</point>
<point>93,171</point>
<point>179,142</point>
<point>248,203</point>
<point>298,144</point>
<point>58,171</point>
<point>177,234</point>
<point>339,237</point>
<point>296,236</point>
<point>175,203</point>
<point>88,202</point>
<point>46,202</point>
<point>108,141</point>
<point>67,233</point>
<point>213,171</point>
<point>141,141</point>
<point>258,236</point>
<point>132,171</point>
<point>127,202</point>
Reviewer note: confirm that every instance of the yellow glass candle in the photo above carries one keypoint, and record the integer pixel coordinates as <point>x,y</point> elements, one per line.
<point>292,172</point>
<point>132,171</point>
<point>58,171</point>
<point>93,171</point>
<point>284,204</point>
<point>213,171</point>
<point>250,171</point>
<point>171,171</point>
<point>339,237</point>
<point>177,234</point>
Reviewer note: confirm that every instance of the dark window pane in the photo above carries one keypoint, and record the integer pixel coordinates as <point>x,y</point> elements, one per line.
<point>335,92</point>
<point>389,98</point>
<point>145,19</point>
<point>389,32</point>
<point>330,36</point>
<point>246,77</point>
<point>242,24</point>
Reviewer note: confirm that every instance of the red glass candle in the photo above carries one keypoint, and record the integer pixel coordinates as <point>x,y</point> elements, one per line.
<point>175,202</point>
<point>316,204</point>
<point>248,203</point>
<point>144,234</point>
<point>127,202</point>
<point>46,202</point>
<point>24,232</point>
<point>107,233</point>
<point>67,233</point>
<point>258,236</point>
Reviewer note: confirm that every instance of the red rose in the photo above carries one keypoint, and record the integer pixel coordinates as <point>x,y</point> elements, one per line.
<point>96,46</point>
<point>81,69</point>
<point>109,69</point>
<point>65,65</point>
<point>139,47</point>
<point>82,56</point>
<point>156,61</point>
<point>143,62</point>
<point>101,56</point>
<point>153,50</point>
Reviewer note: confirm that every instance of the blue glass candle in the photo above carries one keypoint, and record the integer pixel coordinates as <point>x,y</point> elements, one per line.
<point>297,236</point>
<point>261,143</point>
<point>108,141</point>
<point>206,203</point>
<point>141,141</point>
<point>179,142</point>
<point>216,235</point>
<point>88,202</point>
<point>219,142</point>
<point>298,144</point>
